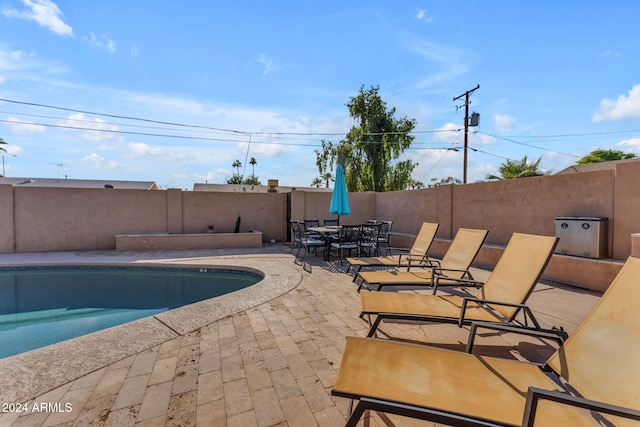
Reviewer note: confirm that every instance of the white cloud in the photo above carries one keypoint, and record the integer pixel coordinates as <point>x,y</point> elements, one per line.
<point>624,107</point>
<point>422,16</point>
<point>103,42</point>
<point>452,62</point>
<point>139,149</point>
<point>22,127</point>
<point>478,138</point>
<point>268,65</point>
<point>44,12</point>
<point>12,60</point>
<point>100,162</point>
<point>12,149</point>
<point>97,130</point>
<point>214,176</point>
<point>450,133</point>
<point>631,144</point>
<point>503,122</point>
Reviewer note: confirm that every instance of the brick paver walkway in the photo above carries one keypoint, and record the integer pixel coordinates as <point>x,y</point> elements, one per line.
<point>272,365</point>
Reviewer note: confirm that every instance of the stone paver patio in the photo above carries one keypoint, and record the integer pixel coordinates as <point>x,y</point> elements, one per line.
<point>272,364</point>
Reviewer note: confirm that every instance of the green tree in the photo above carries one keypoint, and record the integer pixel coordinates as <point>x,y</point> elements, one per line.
<point>252,180</point>
<point>444,181</point>
<point>416,184</point>
<point>237,164</point>
<point>317,182</point>
<point>1,143</point>
<point>371,148</point>
<point>512,169</point>
<point>327,177</point>
<point>235,179</point>
<point>600,155</point>
<point>253,162</point>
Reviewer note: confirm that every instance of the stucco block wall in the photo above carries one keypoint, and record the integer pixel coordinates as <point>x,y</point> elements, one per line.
<point>409,209</point>
<point>7,238</point>
<point>56,219</point>
<point>315,205</point>
<point>265,212</point>
<point>530,205</point>
<point>627,208</point>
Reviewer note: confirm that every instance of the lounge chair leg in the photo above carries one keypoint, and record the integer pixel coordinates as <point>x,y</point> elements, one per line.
<point>374,327</point>
<point>356,415</point>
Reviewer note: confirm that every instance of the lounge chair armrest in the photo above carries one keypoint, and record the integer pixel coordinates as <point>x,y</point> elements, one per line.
<point>393,248</point>
<point>436,276</point>
<point>439,271</point>
<point>494,302</point>
<point>535,394</point>
<point>469,282</point>
<point>555,334</point>
<point>424,261</point>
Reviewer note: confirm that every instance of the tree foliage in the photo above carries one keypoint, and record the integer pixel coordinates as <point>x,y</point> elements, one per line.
<point>444,181</point>
<point>512,169</point>
<point>600,155</point>
<point>1,143</point>
<point>371,148</point>
<point>237,177</point>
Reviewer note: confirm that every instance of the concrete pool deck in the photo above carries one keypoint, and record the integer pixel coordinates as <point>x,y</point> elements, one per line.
<point>264,357</point>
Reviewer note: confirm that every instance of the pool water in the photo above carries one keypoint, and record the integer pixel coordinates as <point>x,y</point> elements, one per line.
<point>44,305</point>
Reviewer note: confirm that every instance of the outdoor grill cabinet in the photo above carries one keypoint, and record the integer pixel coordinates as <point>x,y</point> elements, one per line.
<point>582,236</point>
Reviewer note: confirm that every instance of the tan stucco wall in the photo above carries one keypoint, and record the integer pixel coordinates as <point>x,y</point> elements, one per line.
<point>265,212</point>
<point>57,219</point>
<point>315,205</point>
<point>7,242</point>
<point>529,205</point>
<point>627,208</point>
<point>409,209</point>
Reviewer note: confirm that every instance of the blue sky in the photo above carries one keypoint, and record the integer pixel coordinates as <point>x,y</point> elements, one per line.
<point>270,80</point>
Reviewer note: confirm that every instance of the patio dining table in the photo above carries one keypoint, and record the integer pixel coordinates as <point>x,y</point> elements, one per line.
<point>327,232</point>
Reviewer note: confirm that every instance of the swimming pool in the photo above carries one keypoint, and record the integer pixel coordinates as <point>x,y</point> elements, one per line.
<point>44,305</point>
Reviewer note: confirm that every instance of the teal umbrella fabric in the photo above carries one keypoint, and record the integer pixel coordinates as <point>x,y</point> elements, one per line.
<point>340,198</point>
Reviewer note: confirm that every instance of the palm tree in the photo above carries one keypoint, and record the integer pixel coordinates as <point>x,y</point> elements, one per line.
<point>317,182</point>
<point>237,165</point>
<point>512,169</point>
<point>2,142</point>
<point>252,162</point>
<point>327,177</point>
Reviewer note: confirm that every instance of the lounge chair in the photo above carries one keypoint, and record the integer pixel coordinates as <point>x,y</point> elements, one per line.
<point>452,269</point>
<point>417,253</point>
<point>501,299</point>
<point>592,379</point>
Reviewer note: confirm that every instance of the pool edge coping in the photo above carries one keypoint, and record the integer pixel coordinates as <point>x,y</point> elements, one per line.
<point>29,375</point>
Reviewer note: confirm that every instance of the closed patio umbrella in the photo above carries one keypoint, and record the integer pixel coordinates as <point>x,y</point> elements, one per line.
<point>340,198</point>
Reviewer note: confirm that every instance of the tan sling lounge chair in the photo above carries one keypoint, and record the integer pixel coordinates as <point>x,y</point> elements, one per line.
<point>417,253</point>
<point>453,266</point>
<point>501,299</point>
<point>594,375</point>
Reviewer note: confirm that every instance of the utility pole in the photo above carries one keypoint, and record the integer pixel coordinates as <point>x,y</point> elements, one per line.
<point>466,127</point>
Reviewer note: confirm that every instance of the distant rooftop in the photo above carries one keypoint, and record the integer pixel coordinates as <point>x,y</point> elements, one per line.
<point>248,188</point>
<point>78,183</point>
<point>593,167</point>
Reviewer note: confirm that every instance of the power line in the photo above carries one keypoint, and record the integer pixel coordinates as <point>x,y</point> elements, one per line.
<point>528,145</point>
<point>192,126</point>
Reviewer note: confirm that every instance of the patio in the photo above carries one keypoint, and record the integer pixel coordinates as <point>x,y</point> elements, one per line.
<point>272,364</point>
